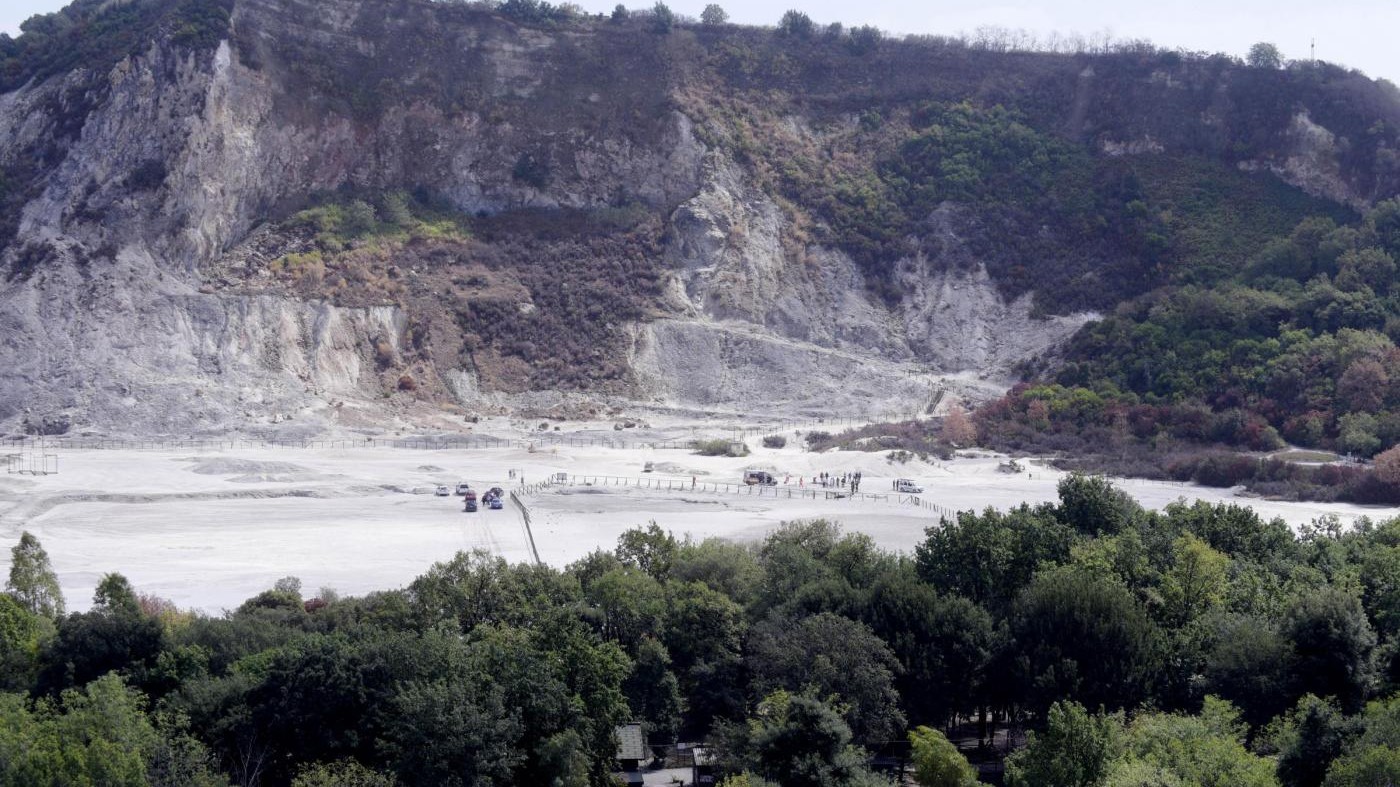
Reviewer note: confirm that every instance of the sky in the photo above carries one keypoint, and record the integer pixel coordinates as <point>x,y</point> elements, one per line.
<point>1355,33</point>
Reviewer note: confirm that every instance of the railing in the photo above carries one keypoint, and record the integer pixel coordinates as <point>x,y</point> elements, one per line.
<point>779,492</point>
<point>414,443</point>
<point>525,515</point>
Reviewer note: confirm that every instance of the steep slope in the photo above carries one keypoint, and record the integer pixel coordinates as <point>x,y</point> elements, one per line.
<point>229,216</point>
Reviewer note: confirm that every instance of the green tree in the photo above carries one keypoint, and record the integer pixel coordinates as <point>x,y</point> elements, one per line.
<point>452,730</point>
<point>563,760</point>
<point>1094,506</point>
<point>1368,767</point>
<point>651,549</point>
<point>1196,580</point>
<point>114,635</point>
<point>944,644</point>
<point>662,18</point>
<point>800,741</point>
<point>33,582</point>
<point>797,24</point>
<point>835,657</point>
<point>629,604</point>
<point>345,773</point>
<point>1264,55</point>
<point>1206,750</point>
<point>1251,665</point>
<point>1085,638</point>
<point>713,16</point>
<point>653,692</point>
<point>1356,434</point>
<point>704,633</point>
<point>1332,646</point>
<point>990,557</point>
<point>1075,750</point>
<point>937,762</point>
<point>97,736</point>
<point>864,40</point>
<point>20,634</point>
<point>619,13</point>
<point>1313,734</point>
<point>115,596</point>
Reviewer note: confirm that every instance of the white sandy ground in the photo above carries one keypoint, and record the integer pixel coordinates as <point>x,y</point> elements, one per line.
<point>207,530</point>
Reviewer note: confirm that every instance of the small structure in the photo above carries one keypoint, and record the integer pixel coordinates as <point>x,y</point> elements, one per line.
<point>631,752</point>
<point>703,771</point>
<point>31,459</point>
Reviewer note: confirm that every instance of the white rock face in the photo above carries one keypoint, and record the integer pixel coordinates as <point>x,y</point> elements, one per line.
<point>760,331</point>
<point>116,330</point>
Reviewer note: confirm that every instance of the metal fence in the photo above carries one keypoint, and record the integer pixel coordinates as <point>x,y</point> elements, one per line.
<point>781,492</point>
<point>544,441</point>
<point>466,442</point>
<point>529,531</point>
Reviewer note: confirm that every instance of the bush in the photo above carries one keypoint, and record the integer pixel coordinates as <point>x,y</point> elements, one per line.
<point>774,441</point>
<point>721,447</point>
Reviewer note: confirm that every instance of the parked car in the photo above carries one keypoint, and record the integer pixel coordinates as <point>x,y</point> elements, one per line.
<point>469,501</point>
<point>496,504</point>
<point>443,491</point>
<point>907,486</point>
<point>463,488</point>
<point>759,478</point>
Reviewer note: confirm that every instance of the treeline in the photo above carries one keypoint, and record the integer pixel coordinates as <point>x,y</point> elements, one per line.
<point>1198,645</point>
<point>94,34</point>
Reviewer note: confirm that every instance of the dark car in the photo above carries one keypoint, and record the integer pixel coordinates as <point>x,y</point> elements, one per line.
<point>470,503</point>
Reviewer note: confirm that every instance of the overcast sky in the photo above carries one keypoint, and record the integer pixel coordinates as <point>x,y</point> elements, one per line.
<point>1355,33</point>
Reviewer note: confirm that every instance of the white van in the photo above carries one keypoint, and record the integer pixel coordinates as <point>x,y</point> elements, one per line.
<point>907,487</point>
<point>759,478</point>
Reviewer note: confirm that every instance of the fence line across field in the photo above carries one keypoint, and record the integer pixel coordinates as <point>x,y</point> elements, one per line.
<point>782,492</point>
<point>544,439</point>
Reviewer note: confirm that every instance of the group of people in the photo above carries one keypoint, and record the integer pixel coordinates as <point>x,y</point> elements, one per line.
<point>849,481</point>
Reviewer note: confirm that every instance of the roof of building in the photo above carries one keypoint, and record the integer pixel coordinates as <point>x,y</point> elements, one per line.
<point>631,744</point>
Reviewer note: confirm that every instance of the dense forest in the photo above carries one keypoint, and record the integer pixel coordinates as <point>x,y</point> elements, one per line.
<point>1093,642</point>
<point>1297,346</point>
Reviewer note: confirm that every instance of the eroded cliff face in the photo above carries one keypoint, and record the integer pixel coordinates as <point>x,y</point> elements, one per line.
<point>161,176</point>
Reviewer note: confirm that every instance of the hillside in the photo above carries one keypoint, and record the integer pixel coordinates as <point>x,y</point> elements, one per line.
<point>279,215</point>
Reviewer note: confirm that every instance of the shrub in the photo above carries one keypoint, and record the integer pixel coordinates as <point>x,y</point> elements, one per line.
<point>721,447</point>
<point>774,441</point>
<point>1224,470</point>
<point>531,170</point>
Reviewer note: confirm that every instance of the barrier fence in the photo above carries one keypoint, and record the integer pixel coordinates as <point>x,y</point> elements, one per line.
<point>543,439</point>
<point>529,531</point>
<point>779,492</point>
<point>16,445</point>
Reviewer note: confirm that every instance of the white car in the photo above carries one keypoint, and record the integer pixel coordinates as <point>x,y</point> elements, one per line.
<point>463,488</point>
<point>907,487</point>
<point>442,491</point>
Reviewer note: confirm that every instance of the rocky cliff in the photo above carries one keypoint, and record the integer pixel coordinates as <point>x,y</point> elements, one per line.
<point>634,216</point>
